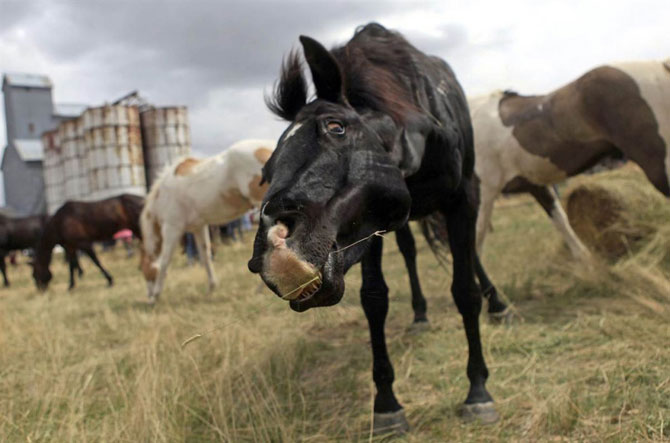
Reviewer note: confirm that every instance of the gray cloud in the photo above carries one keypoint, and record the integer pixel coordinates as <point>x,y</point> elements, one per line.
<point>182,52</point>
<point>13,13</point>
<point>214,43</point>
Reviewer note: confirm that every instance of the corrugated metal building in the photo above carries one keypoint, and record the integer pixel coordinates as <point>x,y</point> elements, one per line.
<point>29,111</point>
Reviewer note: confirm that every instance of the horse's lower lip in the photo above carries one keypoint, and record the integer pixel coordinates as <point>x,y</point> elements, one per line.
<point>327,292</point>
<point>311,290</point>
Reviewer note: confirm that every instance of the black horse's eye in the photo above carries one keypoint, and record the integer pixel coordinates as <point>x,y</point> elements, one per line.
<point>335,127</point>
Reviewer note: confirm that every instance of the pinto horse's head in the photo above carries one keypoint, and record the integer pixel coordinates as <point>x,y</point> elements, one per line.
<point>332,182</point>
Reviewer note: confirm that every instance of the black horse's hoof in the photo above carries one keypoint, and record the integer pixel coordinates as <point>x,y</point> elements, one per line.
<point>110,282</point>
<point>418,326</point>
<point>390,423</point>
<point>505,317</point>
<point>485,413</point>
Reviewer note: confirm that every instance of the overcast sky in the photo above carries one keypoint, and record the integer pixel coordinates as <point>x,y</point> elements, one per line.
<point>219,57</point>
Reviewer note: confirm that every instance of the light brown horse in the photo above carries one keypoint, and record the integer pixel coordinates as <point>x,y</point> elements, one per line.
<point>76,225</point>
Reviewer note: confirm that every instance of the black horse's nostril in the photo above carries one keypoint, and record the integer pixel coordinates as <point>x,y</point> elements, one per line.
<point>287,220</point>
<point>288,215</point>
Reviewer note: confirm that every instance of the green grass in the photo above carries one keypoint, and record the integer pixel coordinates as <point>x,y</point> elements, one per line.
<point>587,361</point>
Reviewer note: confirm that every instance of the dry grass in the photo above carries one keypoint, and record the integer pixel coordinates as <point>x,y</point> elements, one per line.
<point>617,212</point>
<point>589,361</point>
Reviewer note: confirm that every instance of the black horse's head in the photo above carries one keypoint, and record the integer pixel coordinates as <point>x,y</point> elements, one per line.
<point>333,181</point>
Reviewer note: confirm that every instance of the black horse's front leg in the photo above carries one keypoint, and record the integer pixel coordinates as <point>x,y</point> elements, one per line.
<point>461,218</point>
<point>389,415</point>
<point>407,247</point>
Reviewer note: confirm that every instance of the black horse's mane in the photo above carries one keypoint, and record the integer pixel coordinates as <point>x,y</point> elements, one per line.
<point>378,70</point>
<point>290,92</point>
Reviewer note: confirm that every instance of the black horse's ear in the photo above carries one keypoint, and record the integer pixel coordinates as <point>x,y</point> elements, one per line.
<point>325,70</point>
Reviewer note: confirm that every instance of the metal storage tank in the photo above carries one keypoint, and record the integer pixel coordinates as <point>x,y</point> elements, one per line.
<point>52,167</point>
<point>81,179</point>
<point>113,151</point>
<point>166,137</point>
<point>75,171</point>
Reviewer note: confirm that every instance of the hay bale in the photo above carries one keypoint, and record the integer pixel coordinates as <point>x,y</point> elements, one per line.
<point>598,216</point>
<point>613,212</point>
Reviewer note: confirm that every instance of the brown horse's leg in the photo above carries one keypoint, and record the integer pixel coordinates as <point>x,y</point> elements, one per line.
<point>88,250</point>
<point>80,271</point>
<point>71,257</point>
<point>203,242</point>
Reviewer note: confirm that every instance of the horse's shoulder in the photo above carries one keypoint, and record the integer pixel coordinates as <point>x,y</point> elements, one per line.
<point>186,166</point>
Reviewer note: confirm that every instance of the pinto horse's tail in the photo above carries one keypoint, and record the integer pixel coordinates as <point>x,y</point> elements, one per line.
<point>434,229</point>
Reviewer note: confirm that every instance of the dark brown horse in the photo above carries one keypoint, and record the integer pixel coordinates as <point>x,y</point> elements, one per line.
<point>17,234</point>
<point>76,225</point>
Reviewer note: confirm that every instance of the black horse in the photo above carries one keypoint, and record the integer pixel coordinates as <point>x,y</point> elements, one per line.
<point>387,138</point>
<point>17,234</point>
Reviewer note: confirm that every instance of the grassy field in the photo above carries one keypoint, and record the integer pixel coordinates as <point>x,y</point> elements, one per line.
<point>588,358</point>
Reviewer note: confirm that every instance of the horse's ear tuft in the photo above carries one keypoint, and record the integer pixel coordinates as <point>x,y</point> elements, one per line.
<point>325,70</point>
<point>290,92</point>
<point>264,172</point>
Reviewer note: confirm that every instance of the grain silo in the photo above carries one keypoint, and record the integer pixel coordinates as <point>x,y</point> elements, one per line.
<point>114,151</point>
<point>53,170</point>
<point>166,137</point>
<point>75,171</point>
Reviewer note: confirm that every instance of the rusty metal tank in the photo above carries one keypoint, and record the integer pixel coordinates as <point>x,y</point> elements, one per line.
<point>73,151</point>
<point>166,137</point>
<point>52,167</point>
<point>114,155</point>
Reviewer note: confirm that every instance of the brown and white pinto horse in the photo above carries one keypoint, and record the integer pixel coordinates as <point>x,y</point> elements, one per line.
<point>76,225</point>
<point>192,194</point>
<point>526,143</point>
